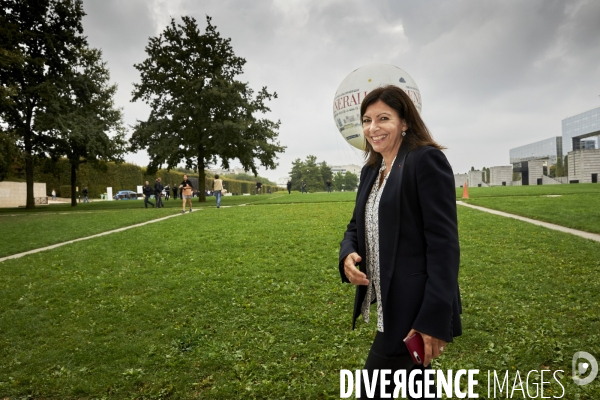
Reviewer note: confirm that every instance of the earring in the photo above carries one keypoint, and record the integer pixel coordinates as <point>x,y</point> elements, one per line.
<point>403,133</point>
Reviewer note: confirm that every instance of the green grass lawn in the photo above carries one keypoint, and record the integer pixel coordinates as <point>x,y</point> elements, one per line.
<point>573,206</point>
<point>530,190</point>
<point>98,205</point>
<point>319,197</point>
<point>246,302</point>
<point>25,230</point>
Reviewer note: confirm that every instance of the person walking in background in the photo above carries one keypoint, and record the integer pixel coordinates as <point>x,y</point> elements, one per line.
<point>258,187</point>
<point>174,191</point>
<point>217,188</point>
<point>289,186</point>
<point>53,194</point>
<point>303,186</point>
<point>158,188</point>
<point>167,192</point>
<point>186,190</point>
<point>328,184</point>
<point>147,193</point>
<point>84,192</point>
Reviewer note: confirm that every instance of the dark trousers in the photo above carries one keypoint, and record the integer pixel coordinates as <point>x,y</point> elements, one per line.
<point>159,202</point>
<point>147,201</point>
<point>378,360</point>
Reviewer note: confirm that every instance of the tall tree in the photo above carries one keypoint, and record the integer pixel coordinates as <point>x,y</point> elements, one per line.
<point>312,175</point>
<point>338,181</point>
<point>38,44</point>
<point>200,113</point>
<point>309,171</point>
<point>8,152</point>
<point>296,173</point>
<point>350,181</point>
<point>326,173</point>
<point>345,181</point>
<point>87,126</point>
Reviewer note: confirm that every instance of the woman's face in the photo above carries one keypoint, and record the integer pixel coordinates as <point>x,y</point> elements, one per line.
<point>382,126</point>
<point>184,177</point>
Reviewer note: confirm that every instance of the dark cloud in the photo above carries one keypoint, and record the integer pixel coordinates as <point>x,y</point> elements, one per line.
<point>121,29</point>
<point>493,74</point>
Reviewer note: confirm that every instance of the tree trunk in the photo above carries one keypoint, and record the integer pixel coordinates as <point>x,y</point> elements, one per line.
<point>30,203</point>
<point>201,176</point>
<point>29,171</point>
<point>74,167</point>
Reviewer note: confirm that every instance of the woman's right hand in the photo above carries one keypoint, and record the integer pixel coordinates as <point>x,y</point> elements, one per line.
<point>354,275</point>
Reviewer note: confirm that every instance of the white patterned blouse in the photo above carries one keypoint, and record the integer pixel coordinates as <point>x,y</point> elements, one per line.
<point>372,242</point>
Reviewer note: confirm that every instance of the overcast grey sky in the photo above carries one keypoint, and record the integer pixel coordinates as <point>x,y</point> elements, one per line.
<point>492,74</point>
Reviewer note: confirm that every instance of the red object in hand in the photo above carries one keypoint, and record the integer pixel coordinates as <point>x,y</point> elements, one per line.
<point>416,347</point>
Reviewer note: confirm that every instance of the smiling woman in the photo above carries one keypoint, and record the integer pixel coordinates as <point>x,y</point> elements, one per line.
<point>384,130</point>
<point>401,247</point>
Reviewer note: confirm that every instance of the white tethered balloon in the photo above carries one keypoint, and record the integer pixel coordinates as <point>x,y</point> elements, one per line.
<point>354,88</point>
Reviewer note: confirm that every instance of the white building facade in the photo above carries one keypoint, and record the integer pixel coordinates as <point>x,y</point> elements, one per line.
<point>584,166</point>
<point>501,176</point>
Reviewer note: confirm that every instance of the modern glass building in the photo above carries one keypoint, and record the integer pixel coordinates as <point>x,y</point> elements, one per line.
<point>547,149</point>
<point>578,127</point>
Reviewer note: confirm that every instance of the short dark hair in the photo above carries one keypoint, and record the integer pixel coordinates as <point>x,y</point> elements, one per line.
<point>417,134</point>
<point>216,176</point>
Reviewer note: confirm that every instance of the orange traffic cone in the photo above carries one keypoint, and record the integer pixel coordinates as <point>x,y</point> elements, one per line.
<point>465,191</point>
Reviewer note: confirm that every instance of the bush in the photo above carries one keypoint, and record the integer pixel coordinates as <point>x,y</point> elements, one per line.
<point>120,177</point>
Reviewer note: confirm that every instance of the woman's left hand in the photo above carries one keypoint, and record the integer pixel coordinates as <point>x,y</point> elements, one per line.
<point>434,347</point>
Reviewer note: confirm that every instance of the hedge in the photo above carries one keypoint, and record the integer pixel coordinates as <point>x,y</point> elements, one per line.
<point>120,177</point>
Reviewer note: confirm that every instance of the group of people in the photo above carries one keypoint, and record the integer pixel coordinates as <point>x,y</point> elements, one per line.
<point>156,191</point>
<point>302,186</point>
<point>185,190</point>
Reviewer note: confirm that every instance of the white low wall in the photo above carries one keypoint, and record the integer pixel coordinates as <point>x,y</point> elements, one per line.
<point>14,194</point>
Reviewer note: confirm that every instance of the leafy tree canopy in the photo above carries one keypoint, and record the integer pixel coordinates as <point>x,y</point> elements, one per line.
<point>347,181</point>
<point>82,118</point>
<point>9,153</point>
<point>200,113</point>
<point>314,174</point>
<point>39,41</point>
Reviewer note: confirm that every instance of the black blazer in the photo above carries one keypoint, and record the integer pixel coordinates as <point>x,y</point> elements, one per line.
<point>418,247</point>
